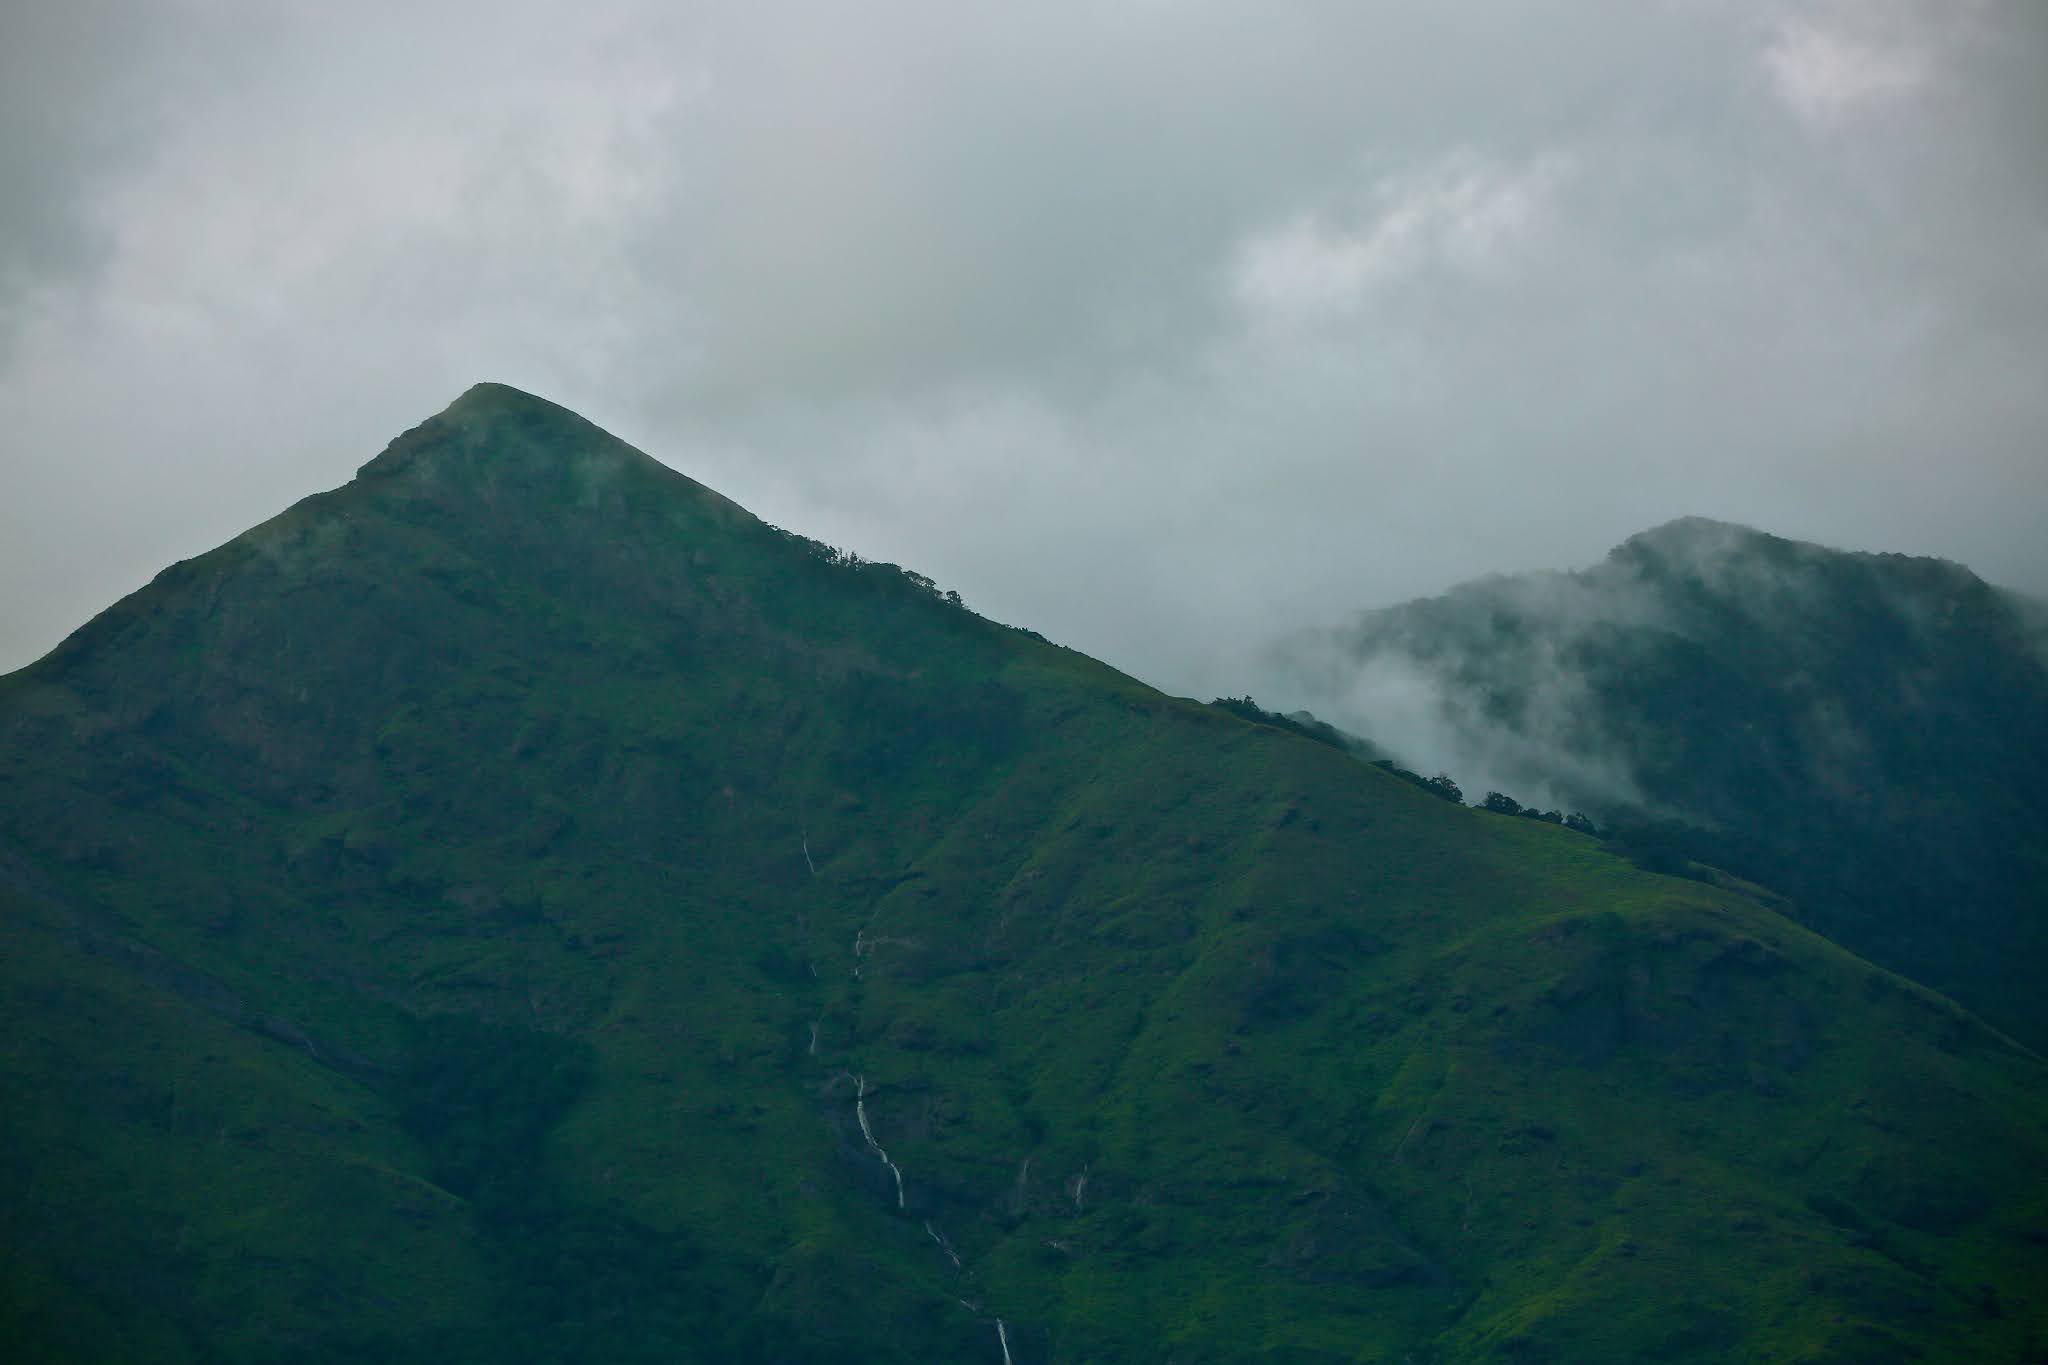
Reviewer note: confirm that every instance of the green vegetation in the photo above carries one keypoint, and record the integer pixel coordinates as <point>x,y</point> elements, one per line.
<point>520,906</point>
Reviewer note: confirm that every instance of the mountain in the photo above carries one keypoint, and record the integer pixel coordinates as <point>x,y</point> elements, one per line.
<point>1862,733</point>
<point>520,906</point>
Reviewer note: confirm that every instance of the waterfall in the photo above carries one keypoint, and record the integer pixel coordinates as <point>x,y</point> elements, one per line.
<point>944,1245</point>
<point>860,1111</point>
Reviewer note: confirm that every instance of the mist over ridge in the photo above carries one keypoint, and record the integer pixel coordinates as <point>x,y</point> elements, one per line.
<point>1426,678</point>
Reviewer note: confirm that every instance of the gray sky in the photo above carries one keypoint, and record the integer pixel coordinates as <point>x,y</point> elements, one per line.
<point>1157,325</point>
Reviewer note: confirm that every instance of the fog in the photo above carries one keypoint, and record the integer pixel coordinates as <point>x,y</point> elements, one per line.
<point>1162,327</point>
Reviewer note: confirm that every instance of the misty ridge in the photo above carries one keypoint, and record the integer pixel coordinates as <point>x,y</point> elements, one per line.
<point>1499,681</point>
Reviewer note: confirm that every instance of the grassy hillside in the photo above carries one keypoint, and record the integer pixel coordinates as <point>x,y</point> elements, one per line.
<point>520,906</point>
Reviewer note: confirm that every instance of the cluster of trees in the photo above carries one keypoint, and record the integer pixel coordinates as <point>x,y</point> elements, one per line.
<point>1445,787</point>
<point>1246,709</point>
<point>846,559</point>
<point>1500,803</point>
<point>1441,786</point>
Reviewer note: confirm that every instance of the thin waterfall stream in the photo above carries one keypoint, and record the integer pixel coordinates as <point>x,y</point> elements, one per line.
<point>860,1112</point>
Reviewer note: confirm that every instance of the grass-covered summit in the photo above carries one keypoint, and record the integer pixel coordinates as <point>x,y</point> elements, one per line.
<point>520,906</point>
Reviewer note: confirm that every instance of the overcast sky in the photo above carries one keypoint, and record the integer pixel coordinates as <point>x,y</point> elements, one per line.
<point>1160,326</point>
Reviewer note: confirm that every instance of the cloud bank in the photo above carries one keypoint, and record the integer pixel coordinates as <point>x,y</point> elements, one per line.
<point>1161,326</point>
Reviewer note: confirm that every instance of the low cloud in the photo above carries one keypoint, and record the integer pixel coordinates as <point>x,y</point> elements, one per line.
<point>1828,76</point>
<point>1487,683</point>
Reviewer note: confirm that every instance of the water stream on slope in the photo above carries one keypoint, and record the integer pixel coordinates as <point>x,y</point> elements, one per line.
<point>860,1111</point>
<point>861,945</point>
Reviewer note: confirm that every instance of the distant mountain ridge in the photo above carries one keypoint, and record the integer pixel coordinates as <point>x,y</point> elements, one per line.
<point>1864,732</point>
<point>521,906</point>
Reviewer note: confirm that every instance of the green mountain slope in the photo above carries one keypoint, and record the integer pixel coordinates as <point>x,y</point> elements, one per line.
<point>1862,733</point>
<point>520,906</point>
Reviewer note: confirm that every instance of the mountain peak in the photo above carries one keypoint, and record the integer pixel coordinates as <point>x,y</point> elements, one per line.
<point>1692,534</point>
<point>1758,559</point>
<point>1695,525</point>
<point>488,400</point>
<point>498,443</point>
<point>492,425</point>
<point>1702,545</point>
